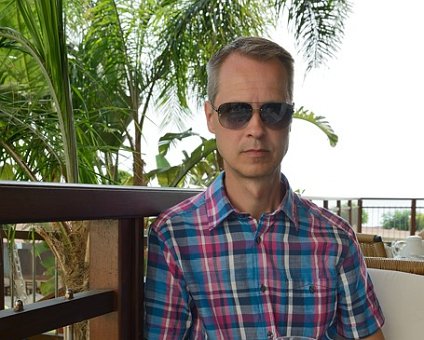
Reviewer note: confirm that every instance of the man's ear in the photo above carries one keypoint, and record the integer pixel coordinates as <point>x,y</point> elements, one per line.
<point>210,119</point>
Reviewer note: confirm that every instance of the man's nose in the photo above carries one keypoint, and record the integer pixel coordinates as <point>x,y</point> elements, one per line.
<point>256,127</point>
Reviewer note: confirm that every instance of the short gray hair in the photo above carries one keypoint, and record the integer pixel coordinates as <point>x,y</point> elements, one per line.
<point>255,47</point>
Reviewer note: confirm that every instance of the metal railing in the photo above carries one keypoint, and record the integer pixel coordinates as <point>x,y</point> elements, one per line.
<point>390,218</point>
<point>31,268</point>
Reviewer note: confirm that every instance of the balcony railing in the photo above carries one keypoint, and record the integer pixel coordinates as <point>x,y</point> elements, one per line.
<point>114,301</point>
<point>391,218</point>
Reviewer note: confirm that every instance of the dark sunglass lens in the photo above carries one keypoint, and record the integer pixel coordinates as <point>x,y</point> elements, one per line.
<point>276,114</point>
<point>234,115</point>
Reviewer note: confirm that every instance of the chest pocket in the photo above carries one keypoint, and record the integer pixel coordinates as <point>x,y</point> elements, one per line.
<point>313,303</point>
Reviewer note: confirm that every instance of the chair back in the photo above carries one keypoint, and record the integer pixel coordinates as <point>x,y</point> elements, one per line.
<point>371,245</point>
<point>401,298</point>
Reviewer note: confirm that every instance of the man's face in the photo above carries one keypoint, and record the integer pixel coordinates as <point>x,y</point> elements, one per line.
<point>256,150</point>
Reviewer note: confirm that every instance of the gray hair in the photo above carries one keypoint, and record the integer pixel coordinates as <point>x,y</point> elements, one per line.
<point>255,47</point>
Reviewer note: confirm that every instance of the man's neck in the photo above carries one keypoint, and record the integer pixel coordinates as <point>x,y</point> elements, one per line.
<point>254,196</point>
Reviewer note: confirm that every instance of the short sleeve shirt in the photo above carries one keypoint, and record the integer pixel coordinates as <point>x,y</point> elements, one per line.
<point>217,273</point>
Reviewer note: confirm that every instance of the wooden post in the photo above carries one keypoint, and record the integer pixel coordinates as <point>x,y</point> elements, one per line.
<point>325,203</point>
<point>116,262</point>
<point>103,273</point>
<point>339,207</point>
<point>413,216</point>
<point>131,278</point>
<point>1,270</point>
<point>359,228</point>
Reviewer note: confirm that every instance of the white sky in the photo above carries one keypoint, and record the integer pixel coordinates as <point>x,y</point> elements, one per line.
<point>371,94</point>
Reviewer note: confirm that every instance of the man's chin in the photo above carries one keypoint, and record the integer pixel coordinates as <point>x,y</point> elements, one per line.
<point>258,171</point>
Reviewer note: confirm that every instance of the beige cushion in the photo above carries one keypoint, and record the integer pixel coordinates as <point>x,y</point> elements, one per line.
<point>401,297</point>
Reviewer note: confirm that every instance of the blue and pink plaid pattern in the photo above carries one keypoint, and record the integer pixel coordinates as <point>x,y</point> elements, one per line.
<point>216,273</point>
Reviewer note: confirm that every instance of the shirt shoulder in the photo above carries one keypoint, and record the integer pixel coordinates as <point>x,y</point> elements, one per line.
<point>323,215</point>
<point>181,211</point>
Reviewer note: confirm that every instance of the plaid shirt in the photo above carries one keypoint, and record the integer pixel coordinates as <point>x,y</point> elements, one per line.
<point>216,273</point>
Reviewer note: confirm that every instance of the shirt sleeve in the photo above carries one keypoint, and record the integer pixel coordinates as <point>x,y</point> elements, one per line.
<point>359,313</point>
<point>166,300</point>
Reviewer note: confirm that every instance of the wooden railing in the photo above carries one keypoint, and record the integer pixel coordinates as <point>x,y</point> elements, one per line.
<point>374,208</point>
<point>114,302</point>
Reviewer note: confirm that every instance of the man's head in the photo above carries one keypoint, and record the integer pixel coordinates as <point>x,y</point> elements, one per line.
<point>249,108</point>
<point>256,48</point>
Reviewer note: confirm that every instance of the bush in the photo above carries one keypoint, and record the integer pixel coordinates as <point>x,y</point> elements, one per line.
<point>420,221</point>
<point>401,220</point>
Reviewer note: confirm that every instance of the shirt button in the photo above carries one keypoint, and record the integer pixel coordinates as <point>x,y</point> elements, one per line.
<point>269,334</point>
<point>263,288</point>
<point>258,240</point>
<point>311,289</point>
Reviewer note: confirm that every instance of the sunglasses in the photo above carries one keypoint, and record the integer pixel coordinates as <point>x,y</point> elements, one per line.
<point>236,116</point>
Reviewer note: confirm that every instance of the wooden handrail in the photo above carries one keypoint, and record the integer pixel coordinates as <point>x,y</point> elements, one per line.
<point>121,270</point>
<point>55,313</point>
<point>22,202</point>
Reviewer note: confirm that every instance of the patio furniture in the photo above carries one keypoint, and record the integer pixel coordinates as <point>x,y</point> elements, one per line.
<point>406,265</point>
<point>371,245</point>
<point>402,300</point>
<point>373,249</point>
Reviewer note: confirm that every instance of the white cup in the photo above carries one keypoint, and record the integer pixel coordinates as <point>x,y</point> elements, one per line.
<point>414,246</point>
<point>411,246</point>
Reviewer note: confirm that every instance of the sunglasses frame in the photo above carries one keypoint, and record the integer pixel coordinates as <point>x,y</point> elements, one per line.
<point>289,113</point>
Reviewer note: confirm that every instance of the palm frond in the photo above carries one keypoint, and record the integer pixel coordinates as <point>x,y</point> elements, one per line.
<point>190,31</point>
<point>318,27</point>
<point>49,44</point>
<point>318,121</point>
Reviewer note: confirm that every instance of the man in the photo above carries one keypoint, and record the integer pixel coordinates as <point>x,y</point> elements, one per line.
<point>248,258</point>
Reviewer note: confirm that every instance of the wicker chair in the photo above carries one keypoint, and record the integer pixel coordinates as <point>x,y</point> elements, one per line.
<point>376,257</point>
<point>398,289</point>
<point>371,245</point>
<point>398,264</point>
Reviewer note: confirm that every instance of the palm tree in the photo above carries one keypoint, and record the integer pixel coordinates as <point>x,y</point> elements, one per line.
<point>125,62</point>
<point>91,73</point>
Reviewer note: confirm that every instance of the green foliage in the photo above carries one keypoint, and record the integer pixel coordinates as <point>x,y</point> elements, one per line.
<point>124,177</point>
<point>49,264</point>
<point>319,122</point>
<point>94,82</point>
<point>318,27</point>
<point>401,220</point>
<point>398,219</point>
<point>364,216</point>
<point>201,166</point>
<point>420,221</point>
<point>188,29</point>
<point>6,172</point>
<point>197,169</point>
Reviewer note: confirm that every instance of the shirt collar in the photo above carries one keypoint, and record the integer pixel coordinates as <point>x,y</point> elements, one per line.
<point>219,207</point>
<point>288,204</point>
